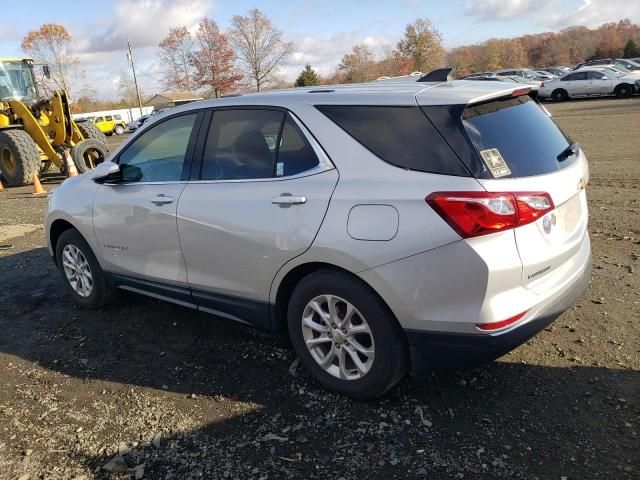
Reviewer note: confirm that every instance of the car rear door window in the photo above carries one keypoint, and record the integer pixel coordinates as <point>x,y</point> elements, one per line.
<point>158,154</point>
<point>399,135</point>
<point>295,154</point>
<point>575,76</point>
<point>242,144</point>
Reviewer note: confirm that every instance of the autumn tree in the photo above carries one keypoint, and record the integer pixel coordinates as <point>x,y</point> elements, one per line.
<point>307,78</point>
<point>260,46</point>
<point>51,45</point>
<point>393,63</point>
<point>422,43</point>
<point>176,58</point>
<point>358,65</point>
<point>213,60</point>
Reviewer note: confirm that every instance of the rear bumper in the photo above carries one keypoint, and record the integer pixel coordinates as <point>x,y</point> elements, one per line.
<point>430,350</point>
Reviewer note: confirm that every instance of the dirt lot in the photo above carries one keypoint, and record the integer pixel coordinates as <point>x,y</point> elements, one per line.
<point>183,395</point>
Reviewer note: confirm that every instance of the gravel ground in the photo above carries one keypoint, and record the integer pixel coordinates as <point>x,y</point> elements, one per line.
<point>144,389</point>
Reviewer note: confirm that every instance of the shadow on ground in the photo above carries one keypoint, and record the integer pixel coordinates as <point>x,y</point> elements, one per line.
<point>257,420</point>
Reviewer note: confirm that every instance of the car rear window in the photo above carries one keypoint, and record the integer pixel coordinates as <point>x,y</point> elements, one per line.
<point>518,131</point>
<point>401,136</point>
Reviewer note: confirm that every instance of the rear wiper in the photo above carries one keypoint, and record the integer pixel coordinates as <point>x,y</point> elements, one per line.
<point>569,151</point>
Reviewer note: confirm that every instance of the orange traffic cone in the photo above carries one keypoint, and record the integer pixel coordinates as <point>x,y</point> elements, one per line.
<point>37,186</point>
<point>72,171</point>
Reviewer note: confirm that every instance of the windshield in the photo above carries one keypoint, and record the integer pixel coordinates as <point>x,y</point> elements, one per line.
<point>631,65</point>
<point>16,81</point>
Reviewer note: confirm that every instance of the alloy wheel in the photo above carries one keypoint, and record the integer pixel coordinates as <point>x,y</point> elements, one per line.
<point>338,337</point>
<point>77,270</point>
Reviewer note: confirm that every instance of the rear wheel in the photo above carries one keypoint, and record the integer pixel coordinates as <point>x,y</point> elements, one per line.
<point>623,90</point>
<point>89,130</point>
<point>559,95</point>
<point>88,154</point>
<point>19,157</point>
<point>345,336</point>
<point>81,272</point>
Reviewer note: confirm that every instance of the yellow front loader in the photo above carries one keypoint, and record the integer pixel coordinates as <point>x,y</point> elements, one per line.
<point>36,132</point>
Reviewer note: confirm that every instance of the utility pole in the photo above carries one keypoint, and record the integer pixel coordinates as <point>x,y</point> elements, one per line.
<point>135,80</point>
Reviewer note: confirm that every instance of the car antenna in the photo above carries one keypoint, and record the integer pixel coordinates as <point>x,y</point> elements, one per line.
<point>438,75</point>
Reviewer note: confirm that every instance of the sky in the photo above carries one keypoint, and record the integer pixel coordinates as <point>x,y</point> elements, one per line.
<point>322,30</point>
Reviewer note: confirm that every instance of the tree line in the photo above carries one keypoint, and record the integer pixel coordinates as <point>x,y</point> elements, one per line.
<point>248,56</point>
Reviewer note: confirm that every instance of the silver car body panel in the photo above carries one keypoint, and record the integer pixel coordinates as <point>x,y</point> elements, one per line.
<point>228,237</point>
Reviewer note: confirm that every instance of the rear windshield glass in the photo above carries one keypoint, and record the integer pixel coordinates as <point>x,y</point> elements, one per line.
<point>518,131</point>
<point>401,136</point>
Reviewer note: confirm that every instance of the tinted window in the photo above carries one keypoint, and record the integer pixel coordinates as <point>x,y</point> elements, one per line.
<point>521,132</point>
<point>242,144</point>
<point>402,136</point>
<point>158,154</point>
<point>108,118</point>
<point>295,155</point>
<point>597,76</point>
<point>575,76</point>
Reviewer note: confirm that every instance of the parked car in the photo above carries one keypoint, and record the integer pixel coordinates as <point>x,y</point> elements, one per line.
<point>544,75</point>
<point>589,82</point>
<point>379,227</point>
<point>525,73</point>
<point>110,124</point>
<point>616,70</point>
<point>626,64</point>
<point>557,71</point>
<point>137,123</point>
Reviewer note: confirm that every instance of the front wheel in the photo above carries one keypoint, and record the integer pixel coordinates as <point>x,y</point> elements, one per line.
<point>81,272</point>
<point>119,129</point>
<point>345,336</point>
<point>623,91</point>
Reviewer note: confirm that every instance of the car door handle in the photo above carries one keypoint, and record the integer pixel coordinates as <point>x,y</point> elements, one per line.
<point>288,199</point>
<point>161,199</point>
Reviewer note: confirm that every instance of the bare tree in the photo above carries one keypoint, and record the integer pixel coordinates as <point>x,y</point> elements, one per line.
<point>176,56</point>
<point>214,60</point>
<point>51,45</point>
<point>260,46</point>
<point>127,89</point>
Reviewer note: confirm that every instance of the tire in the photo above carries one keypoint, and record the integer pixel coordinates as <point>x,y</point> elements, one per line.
<point>559,95</point>
<point>118,130</point>
<point>624,90</point>
<point>88,154</point>
<point>101,291</point>
<point>388,362</point>
<point>19,157</point>
<point>89,130</point>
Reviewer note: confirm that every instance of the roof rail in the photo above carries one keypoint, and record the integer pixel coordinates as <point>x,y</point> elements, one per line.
<point>439,75</point>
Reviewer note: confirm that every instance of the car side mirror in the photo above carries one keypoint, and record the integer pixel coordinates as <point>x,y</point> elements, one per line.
<point>46,71</point>
<point>107,172</point>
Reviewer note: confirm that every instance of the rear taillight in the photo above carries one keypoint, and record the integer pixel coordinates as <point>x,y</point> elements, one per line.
<point>472,214</point>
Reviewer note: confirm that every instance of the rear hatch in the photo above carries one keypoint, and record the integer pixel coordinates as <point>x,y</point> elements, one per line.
<point>511,144</point>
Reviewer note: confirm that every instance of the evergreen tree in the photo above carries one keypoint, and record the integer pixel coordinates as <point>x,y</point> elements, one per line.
<point>631,49</point>
<point>307,78</point>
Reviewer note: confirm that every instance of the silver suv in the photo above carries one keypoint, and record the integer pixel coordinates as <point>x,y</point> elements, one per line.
<point>381,228</point>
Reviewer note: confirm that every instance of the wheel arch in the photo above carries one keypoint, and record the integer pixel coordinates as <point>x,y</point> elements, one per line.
<point>283,290</point>
<point>57,228</point>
